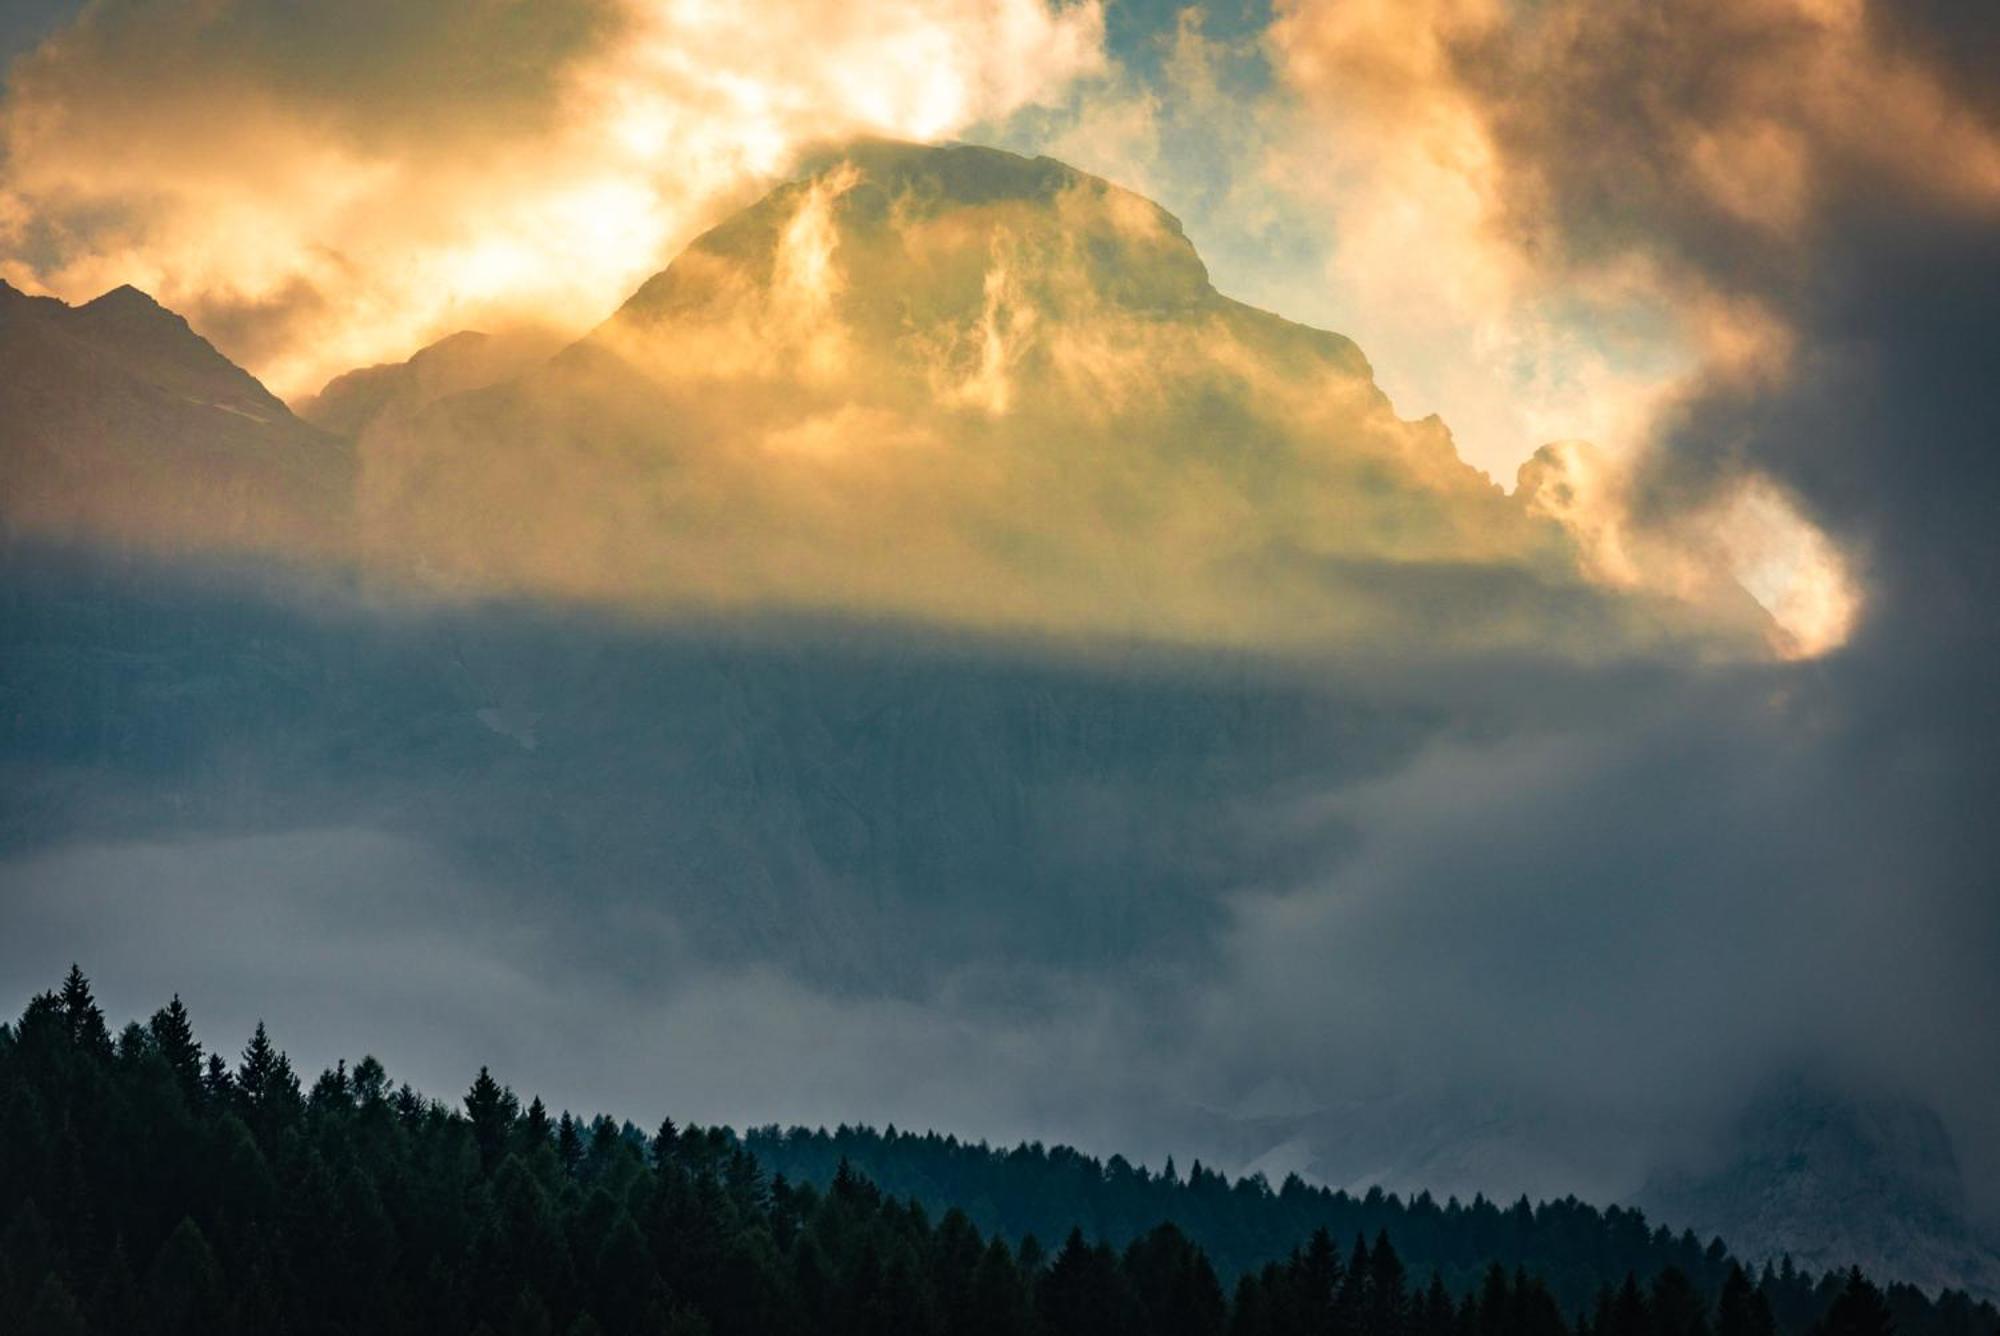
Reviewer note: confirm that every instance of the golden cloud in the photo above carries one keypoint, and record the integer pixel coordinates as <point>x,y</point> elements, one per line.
<point>324,187</point>
<point>1592,211</point>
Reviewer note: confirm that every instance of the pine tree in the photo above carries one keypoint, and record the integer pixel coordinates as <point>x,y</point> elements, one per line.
<point>665,1142</point>
<point>1436,1316</point>
<point>569,1144</point>
<point>1317,1275</point>
<point>1858,1310</point>
<point>1494,1307</point>
<point>1082,1295</point>
<point>1387,1307</point>
<point>1677,1310</point>
<point>492,1109</point>
<point>999,1298</point>
<point>217,1085</point>
<point>85,1018</point>
<point>1742,1309</point>
<point>535,1126</point>
<point>1627,1314</point>
<point>173,1039</point>
<point>333,1091</point>
<point>258,1071</point>
<point>371,1079</point>
<point>1350,1301</point>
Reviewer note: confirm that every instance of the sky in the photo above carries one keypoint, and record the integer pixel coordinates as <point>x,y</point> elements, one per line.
<point>1708,292</point>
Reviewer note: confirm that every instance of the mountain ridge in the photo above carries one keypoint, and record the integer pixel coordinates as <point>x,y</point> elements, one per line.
<point>122,391</point>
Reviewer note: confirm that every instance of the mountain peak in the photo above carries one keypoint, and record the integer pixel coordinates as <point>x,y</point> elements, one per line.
<point>159,345</point>
<point>125,297</point>
<point>917,235</point>
<point>467,360</point>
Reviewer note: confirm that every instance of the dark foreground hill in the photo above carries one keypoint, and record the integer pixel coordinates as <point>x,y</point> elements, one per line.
<point>149,1187</point>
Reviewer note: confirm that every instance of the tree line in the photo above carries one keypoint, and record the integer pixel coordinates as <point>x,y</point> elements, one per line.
<point>150,1186</point>
<point>1576,1250</point>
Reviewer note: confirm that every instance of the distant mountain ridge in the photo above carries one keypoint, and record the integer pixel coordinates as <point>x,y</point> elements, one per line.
<point>468,360</point>
<point>119,424</point>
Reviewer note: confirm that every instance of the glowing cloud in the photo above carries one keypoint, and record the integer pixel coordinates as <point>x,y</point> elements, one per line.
<point>1567,220</point>
<point>431,168</point>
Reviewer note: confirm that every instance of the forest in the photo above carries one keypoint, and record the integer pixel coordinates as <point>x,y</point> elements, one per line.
<point>149,1185</point>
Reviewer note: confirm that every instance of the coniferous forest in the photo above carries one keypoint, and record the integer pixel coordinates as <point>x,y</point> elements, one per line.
<point>151,1186</point>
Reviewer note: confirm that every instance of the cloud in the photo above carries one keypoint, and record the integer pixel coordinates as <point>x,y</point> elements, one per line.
<point>1797,201</point>
<point>1465,931</point>
<point>1624,215</point>
<point>322,189</point>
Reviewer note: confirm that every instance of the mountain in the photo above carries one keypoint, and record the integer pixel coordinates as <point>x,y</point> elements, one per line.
<point>952,384</point>
<point>120,424</point>
<point>935,384</point>
<point>467,360</point>
<point>1833,1180</point>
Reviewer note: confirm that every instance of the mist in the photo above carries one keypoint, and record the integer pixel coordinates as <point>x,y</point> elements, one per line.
<point>1484,927</point>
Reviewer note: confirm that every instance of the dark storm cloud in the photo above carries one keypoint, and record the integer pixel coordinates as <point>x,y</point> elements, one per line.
<point>1833,168</point>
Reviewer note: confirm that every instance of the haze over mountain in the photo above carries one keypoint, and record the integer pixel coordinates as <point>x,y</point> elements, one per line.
<point>964,386</point>
<point>929,657</point>
<point>122,424</point>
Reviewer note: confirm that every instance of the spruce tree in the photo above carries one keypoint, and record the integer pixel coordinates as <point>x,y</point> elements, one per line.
<point>371,1079</point>
<point>569,1144</point>
<point>1318,1275</point>
<point>174,1041</point>
<point>1628,1314</point>
<point>1387,1308</point>
<point>82,1014</point>
<point>1676,1308</point>
<point>258,1071</point>
<point>1858,1310</point>
<point>1742,1309</point>
<point>665,1142</point>
<point>217,1085</point>
<point>492,1109</point>
<point>536,1129</point>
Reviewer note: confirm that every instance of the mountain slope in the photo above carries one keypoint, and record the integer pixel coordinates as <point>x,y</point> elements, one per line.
<point>120,424</point>
<point>467,360</point>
